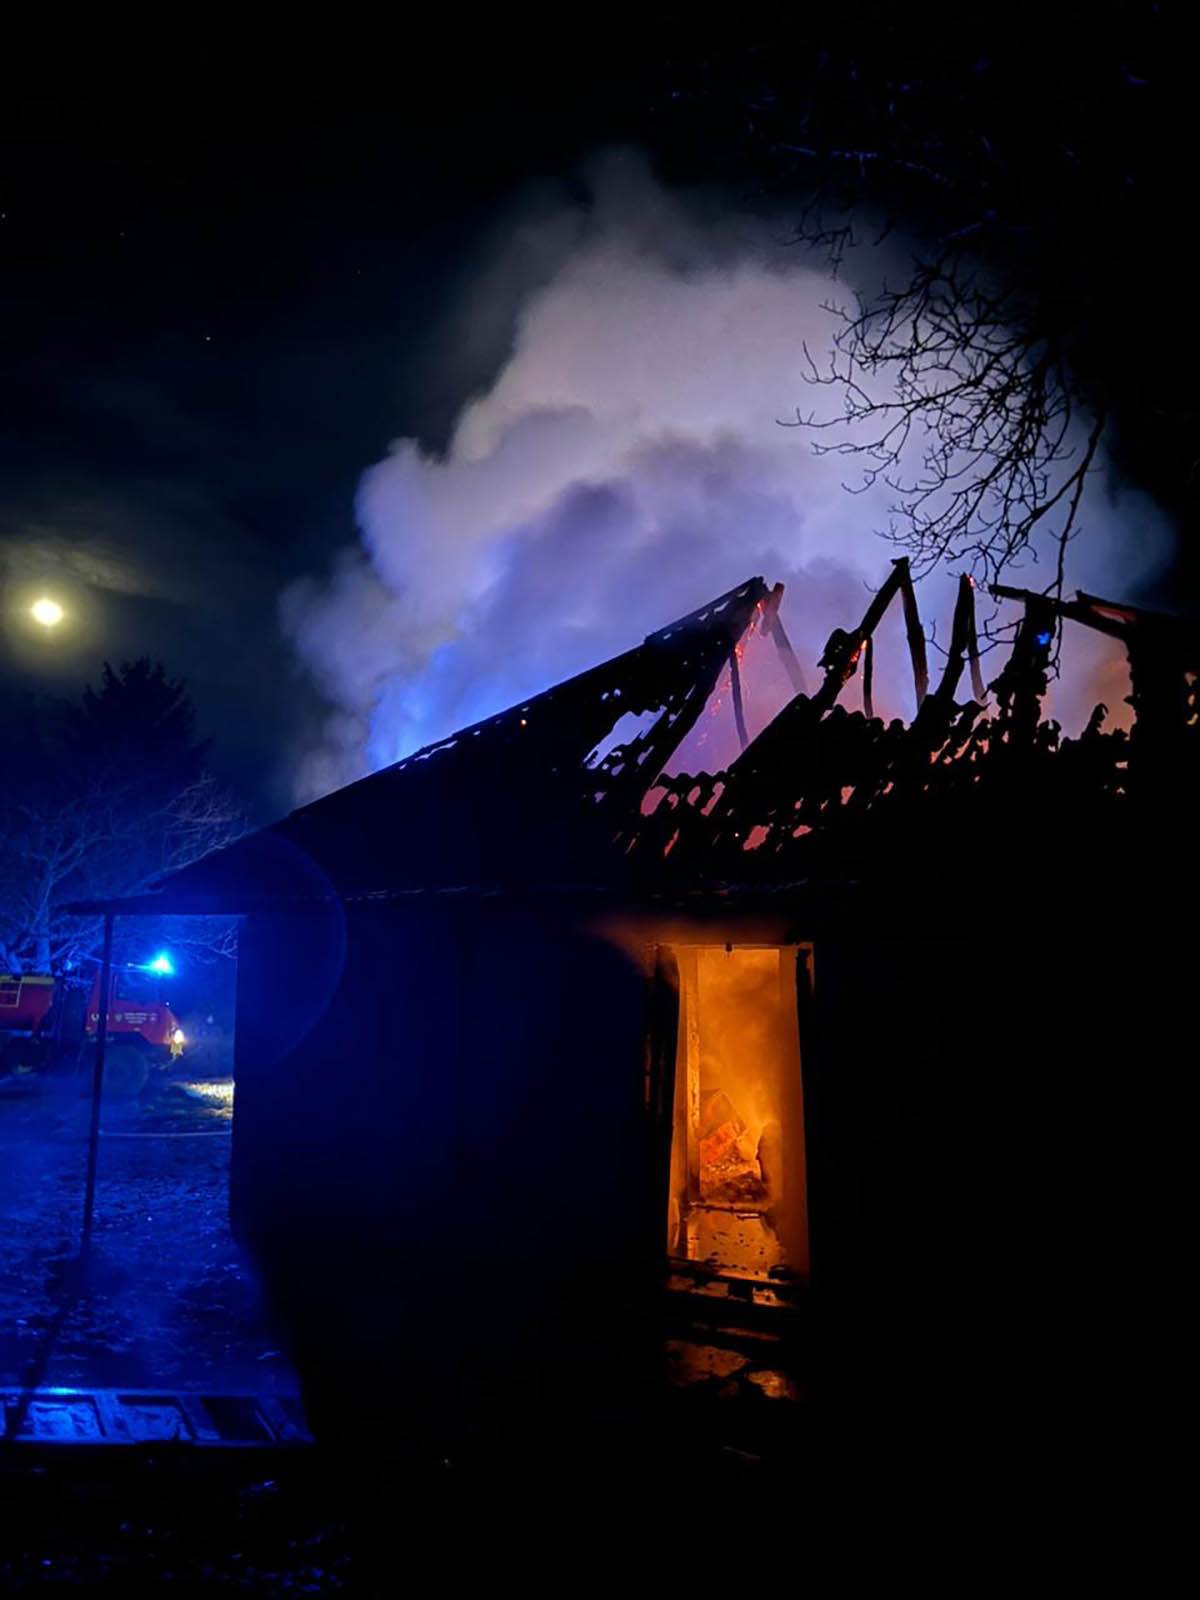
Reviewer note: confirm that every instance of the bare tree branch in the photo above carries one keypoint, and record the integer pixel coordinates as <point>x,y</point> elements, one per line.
<point>956,401</point>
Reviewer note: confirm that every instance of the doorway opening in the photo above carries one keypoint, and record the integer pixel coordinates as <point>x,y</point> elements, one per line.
<point>738,1193</point>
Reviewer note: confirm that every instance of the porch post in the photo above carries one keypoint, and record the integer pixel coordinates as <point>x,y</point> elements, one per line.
<point>97,1085</point>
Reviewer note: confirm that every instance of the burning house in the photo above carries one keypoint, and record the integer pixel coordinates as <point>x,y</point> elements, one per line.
<point>552,1039</point>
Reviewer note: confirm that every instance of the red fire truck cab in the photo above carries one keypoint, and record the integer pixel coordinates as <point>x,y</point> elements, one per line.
<point>47,1021</point>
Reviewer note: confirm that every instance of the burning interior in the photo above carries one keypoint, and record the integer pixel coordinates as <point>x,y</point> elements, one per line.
<point>737,1182</point>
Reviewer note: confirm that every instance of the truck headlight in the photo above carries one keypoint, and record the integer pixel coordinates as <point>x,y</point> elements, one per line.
<point>178,1037</point>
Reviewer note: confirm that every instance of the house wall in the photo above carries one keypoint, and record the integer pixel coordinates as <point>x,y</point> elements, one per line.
<point>440,1156</point>
<point>998,1125</point>
<point>442,1162</point>
<point>998,1176</point>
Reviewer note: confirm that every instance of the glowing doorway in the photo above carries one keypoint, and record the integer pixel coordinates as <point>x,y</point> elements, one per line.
<point>738,1182</point>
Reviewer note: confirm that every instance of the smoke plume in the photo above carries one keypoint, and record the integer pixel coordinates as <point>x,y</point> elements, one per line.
<point>622,464</point>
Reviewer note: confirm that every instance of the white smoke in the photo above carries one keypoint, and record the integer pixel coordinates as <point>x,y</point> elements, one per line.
<point>626,464</point>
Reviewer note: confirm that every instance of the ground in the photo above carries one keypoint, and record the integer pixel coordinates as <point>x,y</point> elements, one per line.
<point>170,1302</point>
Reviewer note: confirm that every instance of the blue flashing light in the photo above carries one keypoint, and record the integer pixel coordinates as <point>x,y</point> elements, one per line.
<point>162,963</point>
<point>1042,639</point>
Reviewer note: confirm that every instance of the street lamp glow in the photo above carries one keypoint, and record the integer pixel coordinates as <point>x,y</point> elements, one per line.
<point>46,611</point>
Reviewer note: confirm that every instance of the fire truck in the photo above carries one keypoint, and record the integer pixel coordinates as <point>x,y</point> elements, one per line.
<point>47,1023</point>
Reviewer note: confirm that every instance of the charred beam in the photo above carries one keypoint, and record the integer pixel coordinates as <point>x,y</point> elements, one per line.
<point>773,625</point>
<point>978,687</point>
<point>1118,621</point>
<point>916,636</point>
<point>735,686</point>
<point>962,641</point>
<point>842,650</point>
<point>1023,681</point>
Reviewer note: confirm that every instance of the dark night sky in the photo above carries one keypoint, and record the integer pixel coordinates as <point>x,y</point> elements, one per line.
<point>214,317</point>
<point>217,307</point>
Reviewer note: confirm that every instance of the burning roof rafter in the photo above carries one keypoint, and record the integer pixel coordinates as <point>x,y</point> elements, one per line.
<point>524,797</point>
<point>821,784</point>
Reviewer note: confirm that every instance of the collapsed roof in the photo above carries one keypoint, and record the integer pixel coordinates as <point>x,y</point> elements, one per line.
<point>541,795</point>
<point>519,797</point>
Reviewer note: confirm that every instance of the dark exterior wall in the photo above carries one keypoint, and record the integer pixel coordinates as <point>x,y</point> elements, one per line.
<point>998,1167</point>
<point>440,1152</point>
<point>442,1157</point>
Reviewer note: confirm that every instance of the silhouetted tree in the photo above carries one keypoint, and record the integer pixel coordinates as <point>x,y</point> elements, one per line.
<point>107,796</point>
<point>1026,172</point>
<point>139,728</point>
